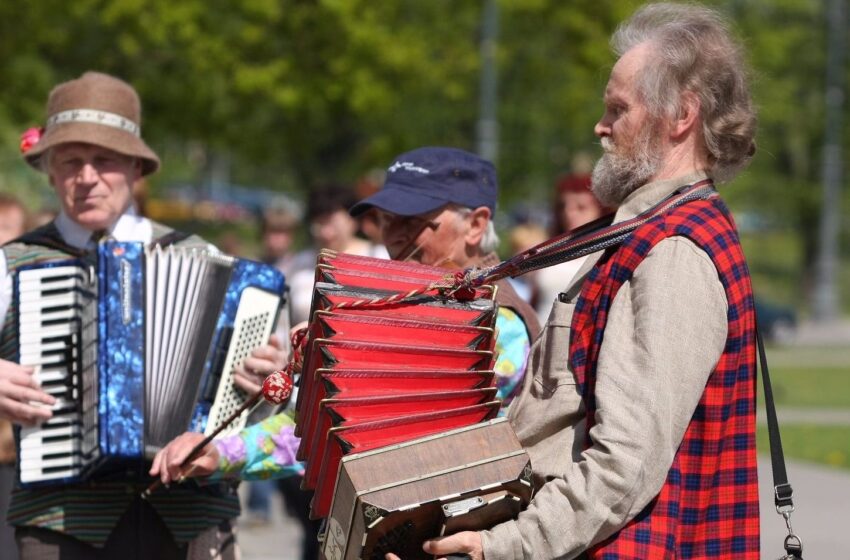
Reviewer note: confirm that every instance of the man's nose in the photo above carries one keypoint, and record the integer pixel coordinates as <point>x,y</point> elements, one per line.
<point>602,128</point>
<point>87,174</point>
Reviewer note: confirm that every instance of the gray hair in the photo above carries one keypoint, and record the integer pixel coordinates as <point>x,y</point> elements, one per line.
<point>693,50</point>
<point>44,160</point>
<point>490,239</point>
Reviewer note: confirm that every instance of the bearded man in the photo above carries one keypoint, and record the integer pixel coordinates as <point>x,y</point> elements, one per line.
<point>638,410</point>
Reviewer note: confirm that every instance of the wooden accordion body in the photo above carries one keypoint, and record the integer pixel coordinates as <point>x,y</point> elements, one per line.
<point>396,410</point>
<point>392,498</point>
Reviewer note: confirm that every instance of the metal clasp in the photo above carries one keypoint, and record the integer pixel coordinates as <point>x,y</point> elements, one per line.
<point>793,544</point>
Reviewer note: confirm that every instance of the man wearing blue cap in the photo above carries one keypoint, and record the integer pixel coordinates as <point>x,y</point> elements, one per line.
<point>436,208</point>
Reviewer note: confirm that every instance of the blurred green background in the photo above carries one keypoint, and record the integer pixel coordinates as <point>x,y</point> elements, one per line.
<point>246,101</point>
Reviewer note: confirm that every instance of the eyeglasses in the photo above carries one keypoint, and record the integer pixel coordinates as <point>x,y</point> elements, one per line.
<point>407,223</point>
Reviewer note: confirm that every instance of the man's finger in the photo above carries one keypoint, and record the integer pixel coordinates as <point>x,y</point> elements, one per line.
<point>23,413</point>
<point>246,382</point>
<point>259,365</point>
<point>27,393</point>
<point>155,466</point>
<point>465,542</point>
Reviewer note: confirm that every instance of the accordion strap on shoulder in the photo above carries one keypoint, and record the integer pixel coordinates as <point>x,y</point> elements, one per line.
<point>48,236</point>
<point>592,237</point>
<point>172,237</point>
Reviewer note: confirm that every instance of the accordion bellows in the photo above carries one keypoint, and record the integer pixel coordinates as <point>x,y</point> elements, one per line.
<point>396,410</point>
<point>136,352</point>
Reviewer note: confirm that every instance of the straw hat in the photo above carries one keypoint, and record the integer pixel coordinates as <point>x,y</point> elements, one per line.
<point>95,109</point>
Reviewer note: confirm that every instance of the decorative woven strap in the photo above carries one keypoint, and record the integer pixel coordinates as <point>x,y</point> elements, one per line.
<point>582,241</point>
<point>590,238</point>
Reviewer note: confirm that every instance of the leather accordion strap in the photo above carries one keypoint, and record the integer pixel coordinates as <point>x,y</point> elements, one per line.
<point>590,238</point>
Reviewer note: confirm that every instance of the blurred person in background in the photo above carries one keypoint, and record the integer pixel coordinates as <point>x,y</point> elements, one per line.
<point>522,237</point>
<point>13,224</point>
<point>277,237</point>
<point>575,205</point>
<point>436,208</point>
<point>14,218</point>
<point>330,227</point>
<point>41,218</point>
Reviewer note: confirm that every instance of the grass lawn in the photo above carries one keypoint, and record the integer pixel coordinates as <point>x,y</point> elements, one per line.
<point>827,445</point>
<point>809,387</point>
<point>810,378</point>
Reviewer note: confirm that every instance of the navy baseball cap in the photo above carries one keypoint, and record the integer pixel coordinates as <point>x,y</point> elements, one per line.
<point>425,179</point>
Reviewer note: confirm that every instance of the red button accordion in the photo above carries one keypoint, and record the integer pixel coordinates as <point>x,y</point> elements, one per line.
<point>396,409</point>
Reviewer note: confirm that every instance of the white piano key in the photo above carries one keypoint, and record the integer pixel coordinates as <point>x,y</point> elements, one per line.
<point>69,447</point>
<point>31,476</point>
<point>41,360</point>
<point>31,333</point>
<point>33,347</point>
<point>67,299</point>
<point>40,317</point>
<point>51,435</point>
<point>35,274</point>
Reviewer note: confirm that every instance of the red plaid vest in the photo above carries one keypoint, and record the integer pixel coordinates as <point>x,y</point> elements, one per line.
<point>708,506</point>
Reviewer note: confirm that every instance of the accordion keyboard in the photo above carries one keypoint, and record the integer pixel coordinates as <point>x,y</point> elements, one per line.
<point>53,324</point>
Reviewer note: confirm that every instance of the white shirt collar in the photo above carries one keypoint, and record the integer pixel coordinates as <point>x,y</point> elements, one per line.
<point>129,227</point>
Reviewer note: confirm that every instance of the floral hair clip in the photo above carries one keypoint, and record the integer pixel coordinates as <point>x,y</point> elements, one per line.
<point>30,138</point>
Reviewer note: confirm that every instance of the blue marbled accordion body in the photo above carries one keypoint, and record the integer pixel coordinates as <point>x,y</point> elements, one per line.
<point>136,352</point>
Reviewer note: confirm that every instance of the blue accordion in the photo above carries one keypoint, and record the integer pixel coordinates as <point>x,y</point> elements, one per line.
<point>136,351</point>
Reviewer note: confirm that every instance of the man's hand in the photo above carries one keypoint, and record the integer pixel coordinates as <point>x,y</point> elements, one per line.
<point>466,542</point>
<point>166,463</point>
<point>264,360</point>
<point>20,394</point>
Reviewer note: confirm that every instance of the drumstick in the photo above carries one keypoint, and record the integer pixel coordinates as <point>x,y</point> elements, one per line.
<point>277,388</point>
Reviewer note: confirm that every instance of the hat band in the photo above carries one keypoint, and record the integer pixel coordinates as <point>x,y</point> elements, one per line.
<point>97,117</point>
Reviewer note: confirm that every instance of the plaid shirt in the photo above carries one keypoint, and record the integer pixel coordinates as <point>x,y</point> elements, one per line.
<point>708,505</point>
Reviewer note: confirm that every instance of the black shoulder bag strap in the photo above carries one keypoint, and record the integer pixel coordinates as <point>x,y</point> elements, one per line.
<point>781,487</point>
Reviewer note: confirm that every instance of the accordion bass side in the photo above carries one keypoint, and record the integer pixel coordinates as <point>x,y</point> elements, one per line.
<point>136,352</point>
<point>392,498</point>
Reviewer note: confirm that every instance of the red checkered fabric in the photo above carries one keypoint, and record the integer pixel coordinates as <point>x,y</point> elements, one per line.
<point>708,506</point>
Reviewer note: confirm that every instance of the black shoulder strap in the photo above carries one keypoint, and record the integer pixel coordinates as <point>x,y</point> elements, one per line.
<point>782,490</point>
<point>171,238</point>
<point>48,236</point>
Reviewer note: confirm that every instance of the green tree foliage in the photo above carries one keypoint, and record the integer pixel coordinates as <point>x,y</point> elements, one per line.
<point>291,92</point>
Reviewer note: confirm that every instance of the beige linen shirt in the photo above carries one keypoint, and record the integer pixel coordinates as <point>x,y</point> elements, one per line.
<point>666,330</point>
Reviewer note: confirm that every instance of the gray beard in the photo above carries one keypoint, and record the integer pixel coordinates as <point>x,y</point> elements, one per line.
<point>617,175</point>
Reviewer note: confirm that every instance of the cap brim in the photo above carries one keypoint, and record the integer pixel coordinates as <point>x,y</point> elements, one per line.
<point>398,200</point>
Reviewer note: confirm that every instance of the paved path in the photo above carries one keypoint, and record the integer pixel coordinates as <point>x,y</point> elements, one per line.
<point>822,518</point>
<point>820,416</point>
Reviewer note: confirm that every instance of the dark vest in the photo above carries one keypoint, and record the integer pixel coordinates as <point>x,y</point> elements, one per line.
<point>708,506</point>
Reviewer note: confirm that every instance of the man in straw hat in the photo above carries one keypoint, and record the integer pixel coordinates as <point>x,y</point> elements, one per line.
<point>92,152</point>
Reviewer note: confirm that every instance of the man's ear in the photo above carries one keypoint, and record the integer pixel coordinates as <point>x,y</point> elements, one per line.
<point>688,117</point>
<point>478,220</point>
